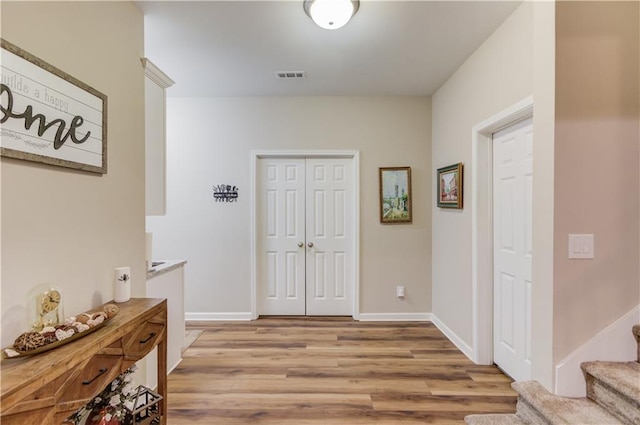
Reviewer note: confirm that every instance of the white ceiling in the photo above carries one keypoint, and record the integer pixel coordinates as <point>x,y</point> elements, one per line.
<point>234,48</point>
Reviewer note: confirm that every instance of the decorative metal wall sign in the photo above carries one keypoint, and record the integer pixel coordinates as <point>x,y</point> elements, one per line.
<point>225,193</point>
<point>48,116</point>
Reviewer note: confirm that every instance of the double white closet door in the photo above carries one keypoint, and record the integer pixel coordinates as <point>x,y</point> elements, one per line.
<point>305,263</point>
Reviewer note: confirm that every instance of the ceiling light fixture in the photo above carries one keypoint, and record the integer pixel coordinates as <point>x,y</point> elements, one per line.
<point>331,14</point>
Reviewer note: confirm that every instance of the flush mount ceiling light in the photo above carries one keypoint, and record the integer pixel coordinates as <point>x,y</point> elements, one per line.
<point>331,14</point>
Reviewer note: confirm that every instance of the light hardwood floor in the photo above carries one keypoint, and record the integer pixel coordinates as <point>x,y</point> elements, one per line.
<point>329,371</point>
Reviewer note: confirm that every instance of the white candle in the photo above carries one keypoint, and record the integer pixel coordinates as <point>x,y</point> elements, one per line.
<point>122,284</point>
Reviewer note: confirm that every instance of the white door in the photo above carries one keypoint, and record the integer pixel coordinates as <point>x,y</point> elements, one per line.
<point>281,236</point>
<point>304,235</point>
<point>329,241</point>
<point>512,248</point>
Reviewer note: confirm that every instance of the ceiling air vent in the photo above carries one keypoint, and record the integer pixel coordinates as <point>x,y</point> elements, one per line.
<point>291,75</point>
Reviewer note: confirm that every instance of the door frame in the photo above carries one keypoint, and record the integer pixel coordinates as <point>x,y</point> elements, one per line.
<point>354,155</point>
<point>482,225</point>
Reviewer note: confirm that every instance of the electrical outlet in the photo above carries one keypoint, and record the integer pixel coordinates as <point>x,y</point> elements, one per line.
<point>400,291</point>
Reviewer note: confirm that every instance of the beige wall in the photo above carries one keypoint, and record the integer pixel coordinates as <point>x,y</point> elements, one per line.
<point>596,167</point>
<point>212,139</point>
<point>66,227</point>
<point>496,76</point>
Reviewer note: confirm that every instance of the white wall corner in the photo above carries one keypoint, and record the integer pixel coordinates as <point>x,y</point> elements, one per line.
<point>453,337</point>
<point>569,378</point>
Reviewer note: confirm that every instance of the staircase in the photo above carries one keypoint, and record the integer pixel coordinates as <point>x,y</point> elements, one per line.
<point>613,397</point>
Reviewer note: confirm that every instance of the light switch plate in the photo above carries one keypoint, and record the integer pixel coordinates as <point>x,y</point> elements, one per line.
<point>581,247</point>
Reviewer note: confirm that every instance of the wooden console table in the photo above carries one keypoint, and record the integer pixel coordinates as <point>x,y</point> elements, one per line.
<point>47,388</point>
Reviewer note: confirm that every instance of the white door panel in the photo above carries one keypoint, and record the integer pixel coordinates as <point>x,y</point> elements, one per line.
<point>512,211</point>
<point>281,228</point>
<point>329,214</point>
<point>306,202</point>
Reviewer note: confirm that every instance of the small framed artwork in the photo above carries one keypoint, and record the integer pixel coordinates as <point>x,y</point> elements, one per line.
<point>449,189</point>
<point>395,195</point>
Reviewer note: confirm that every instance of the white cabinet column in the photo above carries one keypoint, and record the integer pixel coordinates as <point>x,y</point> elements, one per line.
<point>167,281</point>
<point>156,82</point>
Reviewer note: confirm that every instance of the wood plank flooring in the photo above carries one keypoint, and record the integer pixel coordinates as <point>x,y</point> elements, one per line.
<point>330,371</point>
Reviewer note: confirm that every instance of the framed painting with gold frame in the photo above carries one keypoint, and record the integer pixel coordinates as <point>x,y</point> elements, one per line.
<point>449,186</point>
<point>395,195</point>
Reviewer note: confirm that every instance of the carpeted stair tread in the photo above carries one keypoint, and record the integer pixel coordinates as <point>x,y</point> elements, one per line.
<point>495,419</point>
<point>552,409</point>
<point>624,377</point>
<point>615,386</point>
<point>613,398</point>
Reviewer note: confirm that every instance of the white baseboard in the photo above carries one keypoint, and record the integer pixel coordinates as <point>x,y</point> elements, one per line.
<point>394,317</point>
<point>453,337</point>
<point>169,370</point>
<point>382,317</point>
<point>209,317</point>
<point>615,343</point>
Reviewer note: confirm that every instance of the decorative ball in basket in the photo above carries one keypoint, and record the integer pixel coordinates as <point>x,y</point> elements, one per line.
<point>49,334</point>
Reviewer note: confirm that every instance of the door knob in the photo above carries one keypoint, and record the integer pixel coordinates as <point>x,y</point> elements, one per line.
<point>300,244</point>
<point>310,244</point>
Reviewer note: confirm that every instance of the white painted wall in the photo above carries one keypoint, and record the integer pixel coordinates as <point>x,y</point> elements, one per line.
<point>495,77</point>
<point>62,226</point>
<point>209,141</point>
<point>578,135</point>
<point>544,55</point>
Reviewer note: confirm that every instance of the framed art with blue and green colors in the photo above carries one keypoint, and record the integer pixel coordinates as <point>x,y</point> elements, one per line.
<point>395,195</point>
